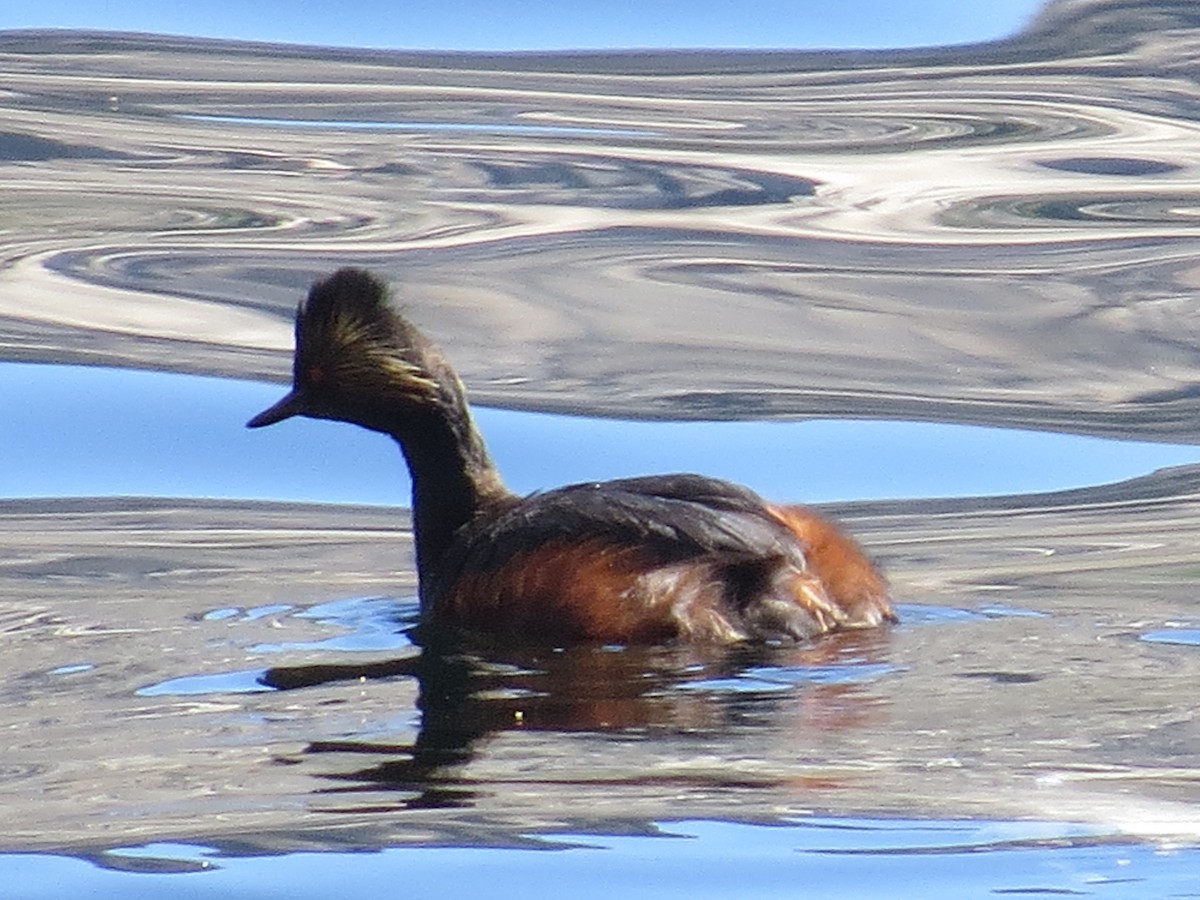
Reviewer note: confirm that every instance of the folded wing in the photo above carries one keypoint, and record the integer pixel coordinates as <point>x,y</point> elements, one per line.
<point>645,559</point>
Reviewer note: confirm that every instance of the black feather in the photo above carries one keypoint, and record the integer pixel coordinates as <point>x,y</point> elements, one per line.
<point>672,517</point>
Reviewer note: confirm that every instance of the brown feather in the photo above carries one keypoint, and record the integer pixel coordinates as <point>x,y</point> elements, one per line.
<point>595,590</point>
<point>838,563</point>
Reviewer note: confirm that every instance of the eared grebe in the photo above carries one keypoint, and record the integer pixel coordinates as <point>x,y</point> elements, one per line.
<point>634,560</point>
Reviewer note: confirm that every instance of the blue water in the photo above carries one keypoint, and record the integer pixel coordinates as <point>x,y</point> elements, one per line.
<point>1189,637</point>
<point>696,859</point>
<point>378,625</point>
<point>522,25</point>
<point>81,431</point>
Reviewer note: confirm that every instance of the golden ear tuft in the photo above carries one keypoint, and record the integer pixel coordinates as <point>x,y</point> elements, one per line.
<point>347,332</point>
<point>416,379</point>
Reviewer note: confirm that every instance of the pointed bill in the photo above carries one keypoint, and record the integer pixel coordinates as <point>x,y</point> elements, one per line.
<point>291,405</point>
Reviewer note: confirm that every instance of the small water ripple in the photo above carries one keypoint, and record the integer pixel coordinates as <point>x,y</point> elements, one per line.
<point>246,681</point>
<point>1162,209</point>
<point>764,679</point>
<point>1187,637</point>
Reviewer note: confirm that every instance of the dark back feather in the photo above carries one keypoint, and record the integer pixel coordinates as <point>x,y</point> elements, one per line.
<point>673,517</point>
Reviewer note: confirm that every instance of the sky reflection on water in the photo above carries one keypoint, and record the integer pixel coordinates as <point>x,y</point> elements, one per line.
<point>521,25</point>
<point>699,858</point>
<point>83,431</point>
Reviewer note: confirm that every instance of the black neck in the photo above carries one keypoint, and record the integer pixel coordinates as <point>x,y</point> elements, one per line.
<point>452,478</point>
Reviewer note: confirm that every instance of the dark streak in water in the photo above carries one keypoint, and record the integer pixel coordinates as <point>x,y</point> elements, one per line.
<point>16,147</point>
<point>1112,165</point>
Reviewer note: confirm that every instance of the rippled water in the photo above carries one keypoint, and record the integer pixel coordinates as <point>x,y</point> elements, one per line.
<point>1000,236</point>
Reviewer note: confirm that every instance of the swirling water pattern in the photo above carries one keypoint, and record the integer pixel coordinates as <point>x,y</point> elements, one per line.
<point>1000,234</point>
<point>1003,236</point>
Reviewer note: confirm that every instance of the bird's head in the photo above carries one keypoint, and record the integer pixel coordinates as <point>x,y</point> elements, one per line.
<point>359,361</point>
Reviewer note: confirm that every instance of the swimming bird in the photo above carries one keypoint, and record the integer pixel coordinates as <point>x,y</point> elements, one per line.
<point>635,560</point>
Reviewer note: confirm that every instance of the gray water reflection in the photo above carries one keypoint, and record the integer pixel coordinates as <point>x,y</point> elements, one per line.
<point>1003,233</point>
<point>527,130</point>
<point>994,235</point>
<point>1028,678</point>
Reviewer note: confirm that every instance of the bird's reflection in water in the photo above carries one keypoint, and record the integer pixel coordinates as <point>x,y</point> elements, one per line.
<point>471,689</point>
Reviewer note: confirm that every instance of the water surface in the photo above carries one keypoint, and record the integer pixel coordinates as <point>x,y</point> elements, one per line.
<point>955,286</point>
<point>705,859</point>
<point>82,431</point>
